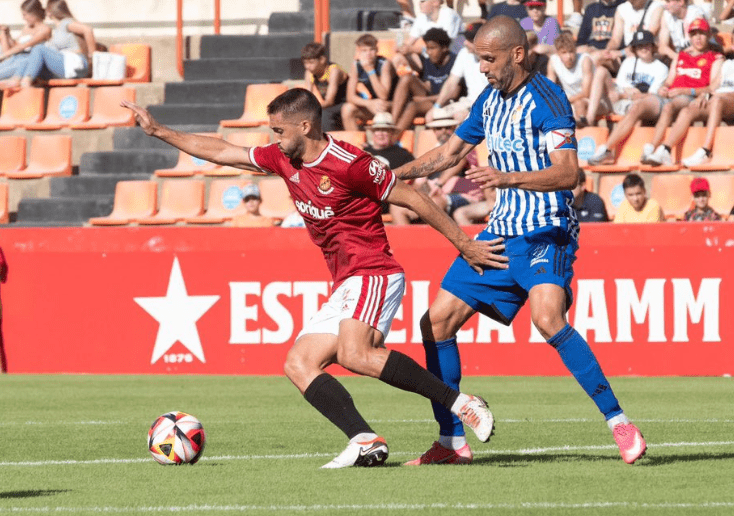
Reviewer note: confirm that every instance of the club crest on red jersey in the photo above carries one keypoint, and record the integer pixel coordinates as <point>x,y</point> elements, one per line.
<point>325,187</point>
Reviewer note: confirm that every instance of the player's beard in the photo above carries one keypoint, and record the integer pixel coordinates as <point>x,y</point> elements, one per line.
<point>504,81</point>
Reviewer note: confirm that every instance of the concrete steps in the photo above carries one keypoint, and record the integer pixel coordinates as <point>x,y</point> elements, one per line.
<point>91,185</point>
<point>63,211</point>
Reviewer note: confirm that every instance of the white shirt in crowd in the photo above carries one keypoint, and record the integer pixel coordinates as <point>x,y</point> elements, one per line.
<point>466,67</point>
<point>727,77</point>
<point>632,18</point>
<point>653,74</point>
<point>571,79</point>
<point>448,20</point>
<point>678,28</point>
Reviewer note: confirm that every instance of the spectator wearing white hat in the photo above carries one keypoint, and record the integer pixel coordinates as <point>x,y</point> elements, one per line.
<point>383,143</point>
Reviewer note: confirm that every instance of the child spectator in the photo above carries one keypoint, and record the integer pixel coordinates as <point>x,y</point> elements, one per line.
<point>701,210</point>
<point>511,8</point>
<point>636,207</point>
<point>433,15</point>
<point>67,55</point>
<point>596,28</point>
<point>719,107</point>
<point>574,72</point>
<point>376,78</point>
<point>690,76</point>
<point>15,52</point>
<point>637,76</point>
<point>589,206</point>
<point>328,81</point>
<point>415,95</point>
<point>546,27</point>
<point>676,22</point>
<point>253,218</point>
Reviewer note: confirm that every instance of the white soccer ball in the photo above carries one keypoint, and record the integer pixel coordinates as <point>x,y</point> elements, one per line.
<point>176,438</point>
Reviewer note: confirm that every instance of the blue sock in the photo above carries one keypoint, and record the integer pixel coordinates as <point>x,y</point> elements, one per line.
<point>442,359</point>
<point>581,362</point>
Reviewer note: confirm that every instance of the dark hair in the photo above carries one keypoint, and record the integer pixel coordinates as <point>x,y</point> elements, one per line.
<point>438,36</point>
<point>366,40</point>
<point>58,9</point>
<point>313,51</point>
<point>632,180</point>
<point>33,7</point>
<point>296,102</point>
<point>582,176</point>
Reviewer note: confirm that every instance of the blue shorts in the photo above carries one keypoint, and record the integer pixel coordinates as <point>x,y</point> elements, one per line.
<point>540,257</point>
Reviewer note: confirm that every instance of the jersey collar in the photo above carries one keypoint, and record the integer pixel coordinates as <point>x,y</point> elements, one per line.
<point>323,152</point>
<point>519,87</point>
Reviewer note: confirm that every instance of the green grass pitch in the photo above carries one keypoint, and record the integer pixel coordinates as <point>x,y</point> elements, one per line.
<point>77,444</point>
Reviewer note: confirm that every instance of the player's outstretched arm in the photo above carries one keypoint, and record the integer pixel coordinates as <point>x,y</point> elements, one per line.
<point>214,150</point>
<point>561,175</point>
<point>436,160</point>
<point>479,254</point>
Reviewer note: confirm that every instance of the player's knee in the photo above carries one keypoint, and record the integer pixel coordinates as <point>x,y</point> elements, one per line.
<point>433,328</point>
<point>294,366</point>
<point>548,324</point>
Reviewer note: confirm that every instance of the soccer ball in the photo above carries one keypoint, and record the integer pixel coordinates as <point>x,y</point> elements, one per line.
<point>176,438</point>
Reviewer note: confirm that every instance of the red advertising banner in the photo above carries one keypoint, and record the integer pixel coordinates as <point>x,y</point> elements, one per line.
<point>651,300</point>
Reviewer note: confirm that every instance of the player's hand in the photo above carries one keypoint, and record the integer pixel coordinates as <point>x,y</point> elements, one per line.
<point>144,118</point>
<point>483,254</point>
<point>488,177</point>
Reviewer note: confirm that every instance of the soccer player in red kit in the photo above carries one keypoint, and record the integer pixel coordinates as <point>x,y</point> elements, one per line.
<point>338,189</point>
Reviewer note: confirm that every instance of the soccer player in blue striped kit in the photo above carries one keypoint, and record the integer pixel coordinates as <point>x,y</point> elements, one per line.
<point>530,131</point>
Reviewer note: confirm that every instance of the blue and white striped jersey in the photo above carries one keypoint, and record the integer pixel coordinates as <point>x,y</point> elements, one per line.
<point>521,130</point>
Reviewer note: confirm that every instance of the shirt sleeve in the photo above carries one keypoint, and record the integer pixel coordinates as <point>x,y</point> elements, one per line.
<point>557,123</point>
<point>371,177</point>
<point>459,64</point>
<point>661,74</point>
<point>266,158</point>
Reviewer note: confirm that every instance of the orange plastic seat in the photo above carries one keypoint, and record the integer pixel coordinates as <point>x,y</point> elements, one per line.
<point>356,138</point>
<point>12,157</point>
<point>134,200</point>
<point>407,140</point>
<point>628,152</point>
<point>257,98</point>
<point>426,141</point>
<point>722,193</point>
<point>611,192</point>
<point>722,151</point>
<point>107,111</point>
<point>50,155</point>
<point>242,139</point>
<point>137,64</point>
<point>179,200</point>
<point>188,165</point>
<point>277,202</point>
<point>673,193</point>
<point>22,107</point>
<point>224,203</point>
<point>66,106</point>
<point>387,48</point>
<point>589,139</point>
<point>4,204</point>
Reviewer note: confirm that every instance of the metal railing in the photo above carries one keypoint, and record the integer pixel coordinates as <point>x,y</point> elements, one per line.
<point>179,31</point>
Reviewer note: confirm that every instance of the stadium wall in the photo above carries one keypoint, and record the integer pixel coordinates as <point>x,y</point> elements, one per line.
<point>652,300</point>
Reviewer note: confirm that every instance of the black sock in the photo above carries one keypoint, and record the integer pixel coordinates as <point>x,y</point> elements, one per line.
<point>666,148</point>
<point>330,398</point>
<point>403,372</point>
<point>708,151</point>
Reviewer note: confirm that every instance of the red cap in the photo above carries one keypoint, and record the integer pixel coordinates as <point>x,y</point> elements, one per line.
<point>700,184</point>
<point>699,24</point>
<point>533,3</point>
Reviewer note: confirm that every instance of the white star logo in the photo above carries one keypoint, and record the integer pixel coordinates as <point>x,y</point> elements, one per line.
<point>177,314</point>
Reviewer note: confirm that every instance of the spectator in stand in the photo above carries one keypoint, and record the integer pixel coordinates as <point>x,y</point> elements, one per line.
<point>460,6</point>
<point>701,211</point>
<point>466,68</point>
<point>68,54</point>
<point>636,207</point>
<point>719,107</point>
<point>416,94</point>
<point>253,218</point>
<point>690,77</point>
<point>407,11</point>
<point>574,72</point>
<point>512,8</point>
<point>629,17</point>
<point>637,76</point>
<point>595,31</point>
<point>371,84</point>
<point>536,62</point>
<point>433,15</point>
<point>589,206</point>
<point>546,27</point>
<point>574,21</point>
<point>15,52</point>
<point>328,81</point>
<point>677,18</point>
<point>383,145</point>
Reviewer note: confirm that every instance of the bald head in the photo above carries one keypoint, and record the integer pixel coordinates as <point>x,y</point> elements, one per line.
<point>505,30</point>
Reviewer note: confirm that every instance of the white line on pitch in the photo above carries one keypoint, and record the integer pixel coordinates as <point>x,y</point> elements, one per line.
<point>374,507</point>
<point>522,451</point>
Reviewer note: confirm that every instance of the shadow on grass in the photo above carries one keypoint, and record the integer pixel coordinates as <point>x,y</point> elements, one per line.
<point>688,457</point>
<point>35,493</point>
<point>523,460</point>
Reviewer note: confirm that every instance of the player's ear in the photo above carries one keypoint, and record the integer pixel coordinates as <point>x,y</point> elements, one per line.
<point>518,54</point>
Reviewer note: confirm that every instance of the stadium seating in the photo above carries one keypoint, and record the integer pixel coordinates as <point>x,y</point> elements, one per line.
<point>386,48</point>
<point>134,200</point>
<point>589,139</point>
<point>22,107</point>
<point>225,202</point>
<point>12,157</point>
<point>611,192</point>
<point>356,138</point>
<point>673,192</point>
<point>50,155</point>
<point>242,139</point>
<point>187,165</point>
<point>628,152</point>
<point>277,202</point>
<point>257,98</point>
<point>407,140</point>
<point>722,152</point>
<point>107,110</point>
<point>138,59</point>
<point>426,141</point>
<point>4,198</point>
<point>179,200</point>
<point>722,192</point>
<point>66,106</point>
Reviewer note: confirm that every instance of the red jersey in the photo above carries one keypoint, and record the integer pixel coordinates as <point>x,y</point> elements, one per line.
<point>694,71</point>
<point>339,196</point>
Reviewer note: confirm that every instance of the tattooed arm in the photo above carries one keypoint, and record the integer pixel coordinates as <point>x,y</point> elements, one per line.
<point>446,156</point>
